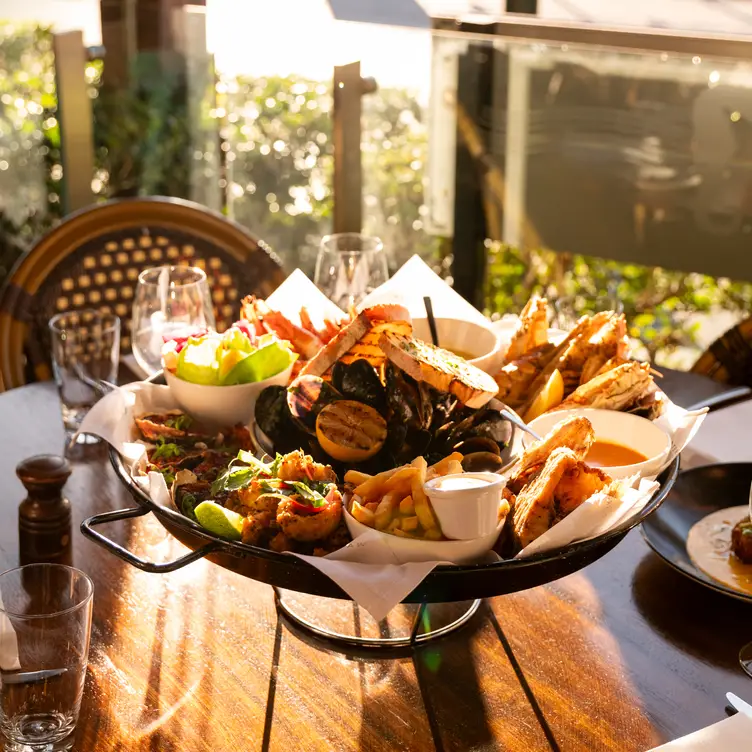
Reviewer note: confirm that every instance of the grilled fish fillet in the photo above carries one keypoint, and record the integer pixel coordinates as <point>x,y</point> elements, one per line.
<point>441,369</point>
<point>535,506</point>
<point>337,346</point>
<point>575,434</point>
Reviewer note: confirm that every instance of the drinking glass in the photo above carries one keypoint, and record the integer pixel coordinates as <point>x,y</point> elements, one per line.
<point>569,309</point>
<point>349,266</point>
<point>45,627</point>
<point>170,301</point>
<point>85,352</point>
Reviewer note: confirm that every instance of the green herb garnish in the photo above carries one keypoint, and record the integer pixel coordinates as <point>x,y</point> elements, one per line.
<point>179,422</point>
<point>166,450</point>
<point>311,495</point>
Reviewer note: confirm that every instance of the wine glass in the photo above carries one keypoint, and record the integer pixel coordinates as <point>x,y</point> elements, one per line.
<point>349,266</point>
<point>170,301</point>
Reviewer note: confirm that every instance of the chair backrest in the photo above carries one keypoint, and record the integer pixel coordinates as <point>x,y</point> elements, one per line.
<point>729,358</point>
<point>93,259</point>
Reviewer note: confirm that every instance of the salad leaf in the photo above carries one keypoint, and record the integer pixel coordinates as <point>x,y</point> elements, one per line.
<point>197,361</point>
<point>262,364</point>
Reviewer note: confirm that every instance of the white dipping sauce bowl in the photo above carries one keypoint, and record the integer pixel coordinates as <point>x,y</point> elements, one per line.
<point>221,406</point>
<point>466,513</point>
<point>480,342</point>
<point>626,429</point>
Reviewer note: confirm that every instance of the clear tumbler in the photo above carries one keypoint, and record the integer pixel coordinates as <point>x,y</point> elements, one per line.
<point>85,352</point>
<point>45,626</point>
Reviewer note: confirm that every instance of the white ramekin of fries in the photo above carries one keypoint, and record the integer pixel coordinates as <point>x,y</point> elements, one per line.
<point>395,505</point>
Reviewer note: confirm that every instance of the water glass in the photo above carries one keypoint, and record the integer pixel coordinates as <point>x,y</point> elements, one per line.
<point>569,309</point>
<point>170,301</point>
<point>349,266</point>
<point>45,627</point>
<point>85,352</point>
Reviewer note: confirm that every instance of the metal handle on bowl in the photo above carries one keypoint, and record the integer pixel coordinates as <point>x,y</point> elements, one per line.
<point>115,548</point>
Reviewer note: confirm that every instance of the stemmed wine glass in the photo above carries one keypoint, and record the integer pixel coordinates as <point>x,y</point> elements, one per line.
<point>349,265</point>
<point>170,301</point>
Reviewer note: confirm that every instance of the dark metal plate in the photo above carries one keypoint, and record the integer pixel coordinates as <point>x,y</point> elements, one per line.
<point>445,583</point>
<point>696,494</point>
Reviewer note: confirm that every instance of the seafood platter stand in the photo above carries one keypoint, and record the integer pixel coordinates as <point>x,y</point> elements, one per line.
<point>205,643</point>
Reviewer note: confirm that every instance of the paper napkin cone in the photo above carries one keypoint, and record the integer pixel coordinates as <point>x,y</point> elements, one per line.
<point>414,280</point>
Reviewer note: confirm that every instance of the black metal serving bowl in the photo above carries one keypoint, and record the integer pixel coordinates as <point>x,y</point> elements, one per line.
<point>445,583</point>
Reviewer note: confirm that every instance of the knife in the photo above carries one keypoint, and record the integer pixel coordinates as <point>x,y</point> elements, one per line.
<point>738,704</point>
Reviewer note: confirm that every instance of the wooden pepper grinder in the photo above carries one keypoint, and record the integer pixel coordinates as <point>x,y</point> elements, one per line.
<point>44,517</point>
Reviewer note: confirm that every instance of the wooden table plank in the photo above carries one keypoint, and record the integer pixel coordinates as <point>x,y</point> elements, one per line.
<point>620,656</point>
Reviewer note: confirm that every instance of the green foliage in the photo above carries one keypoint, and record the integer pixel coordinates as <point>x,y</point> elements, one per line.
<point>276,135</point>
<point>661,306</point>
<point>141,137</point>
<point>30,169</point>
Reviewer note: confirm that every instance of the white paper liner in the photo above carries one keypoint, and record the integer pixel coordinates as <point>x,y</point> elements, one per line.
<point>367,569</point>
<point>729,735</point>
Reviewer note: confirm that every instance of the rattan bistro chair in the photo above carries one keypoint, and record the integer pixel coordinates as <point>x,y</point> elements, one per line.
<point>729,359</point>
<point>93,259</point>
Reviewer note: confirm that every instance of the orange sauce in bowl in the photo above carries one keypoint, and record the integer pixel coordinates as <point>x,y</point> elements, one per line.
<point>610,454</point>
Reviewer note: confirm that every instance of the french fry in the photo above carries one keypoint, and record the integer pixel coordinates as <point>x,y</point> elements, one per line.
<point>441,467</point>
<point>361,514</point>
<point>385,511</point>
<point>433,534</point>
<point>403,533</point>
<point>422,465</point>
<point>409,524</point>
<point>454,467</point>
<point>401,479</point>
<point>393,525</point>
<point>356,477</point>
<point>422,506</point>
<point>373,487</point>
<point>372,505</point>
<point>406,506</point>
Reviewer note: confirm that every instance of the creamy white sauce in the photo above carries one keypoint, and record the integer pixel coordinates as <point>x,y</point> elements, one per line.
<point>460,483</point>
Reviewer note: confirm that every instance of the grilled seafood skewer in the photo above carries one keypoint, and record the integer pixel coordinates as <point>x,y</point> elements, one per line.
<point>616,389</point>
<point>532,331</point>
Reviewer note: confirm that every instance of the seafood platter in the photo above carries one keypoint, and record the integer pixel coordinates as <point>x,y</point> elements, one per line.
<point>361,431</point>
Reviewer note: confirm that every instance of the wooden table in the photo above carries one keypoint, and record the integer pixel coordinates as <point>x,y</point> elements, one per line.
<point>621,656</point>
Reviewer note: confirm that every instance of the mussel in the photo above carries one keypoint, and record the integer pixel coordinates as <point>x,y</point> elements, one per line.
<point>482,462</point>
<point>307,397</point>
<point>359,381</point>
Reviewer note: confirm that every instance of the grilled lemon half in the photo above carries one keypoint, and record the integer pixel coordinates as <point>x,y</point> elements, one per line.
<point>350,431</point>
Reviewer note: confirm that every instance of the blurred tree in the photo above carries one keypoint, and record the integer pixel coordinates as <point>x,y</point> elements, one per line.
<point>30,169</point>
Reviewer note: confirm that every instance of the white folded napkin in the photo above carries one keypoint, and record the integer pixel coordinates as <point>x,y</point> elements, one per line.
<point>729,735</point>
<point>298,291</point>
<point>414,280</point>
